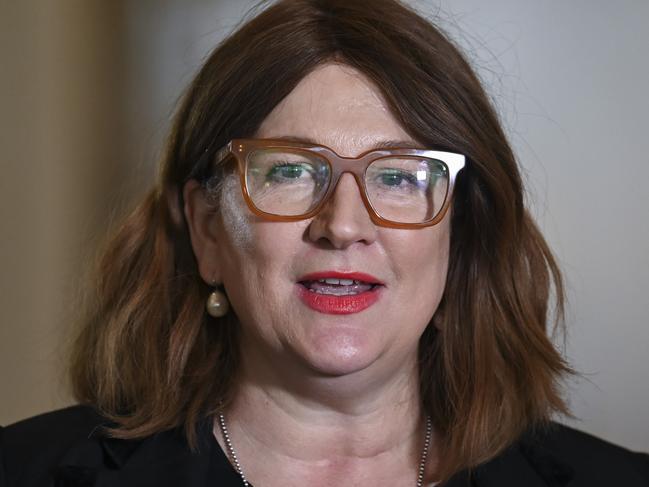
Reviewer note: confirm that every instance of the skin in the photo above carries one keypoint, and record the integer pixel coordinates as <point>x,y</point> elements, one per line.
<point>330,399</point>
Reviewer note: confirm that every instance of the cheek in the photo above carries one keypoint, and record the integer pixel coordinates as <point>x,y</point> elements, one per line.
<point>425,254</point>
<point>438,260</point>
<point>424,265</point>
<point>235,214</point>
<point>259,250</point>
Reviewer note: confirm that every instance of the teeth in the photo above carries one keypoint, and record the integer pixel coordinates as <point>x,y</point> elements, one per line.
<point>340,282</point>
<point>338,287</point>
<point>340,293</point>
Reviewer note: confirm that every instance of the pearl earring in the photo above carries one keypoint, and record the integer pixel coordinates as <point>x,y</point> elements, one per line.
<point>217,304</point>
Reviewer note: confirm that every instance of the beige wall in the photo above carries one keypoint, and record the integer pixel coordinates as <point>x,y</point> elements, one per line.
<point>87,88</point>
<point>63,161</point>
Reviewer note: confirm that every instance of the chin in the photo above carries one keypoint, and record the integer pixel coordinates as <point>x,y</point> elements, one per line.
<point>338,352</point>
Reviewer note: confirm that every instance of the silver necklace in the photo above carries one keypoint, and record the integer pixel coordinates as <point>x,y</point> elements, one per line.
<point>237,465</point>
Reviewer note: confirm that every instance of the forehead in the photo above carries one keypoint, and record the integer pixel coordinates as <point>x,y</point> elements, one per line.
<point>337,106</point>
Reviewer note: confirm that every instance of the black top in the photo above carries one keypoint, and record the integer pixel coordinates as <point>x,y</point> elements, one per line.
<point>67,448</point>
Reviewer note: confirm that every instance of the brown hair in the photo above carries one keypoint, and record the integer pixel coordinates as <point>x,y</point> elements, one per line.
<point>148,356</point>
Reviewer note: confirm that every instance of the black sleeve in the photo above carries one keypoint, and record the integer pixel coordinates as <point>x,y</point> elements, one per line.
<point>3,481</point>
<point>593,461</point>
<point>643,466</point>
<point>30,450</point>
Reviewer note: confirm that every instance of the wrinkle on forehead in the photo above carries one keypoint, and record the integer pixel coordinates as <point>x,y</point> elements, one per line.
<point>320,80</point>
<point>338,106</point>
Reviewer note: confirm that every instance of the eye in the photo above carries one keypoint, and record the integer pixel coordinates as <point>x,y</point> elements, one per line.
<point>287,171</point>
<point>395,178</point>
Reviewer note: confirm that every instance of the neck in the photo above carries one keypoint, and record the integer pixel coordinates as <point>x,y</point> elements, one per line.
<point>333,427</point>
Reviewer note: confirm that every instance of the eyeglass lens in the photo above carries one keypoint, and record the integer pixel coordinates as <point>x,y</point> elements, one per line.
<point>403,189</point>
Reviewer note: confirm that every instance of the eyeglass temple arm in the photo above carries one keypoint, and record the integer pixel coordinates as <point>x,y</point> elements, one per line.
<point>222,153</point>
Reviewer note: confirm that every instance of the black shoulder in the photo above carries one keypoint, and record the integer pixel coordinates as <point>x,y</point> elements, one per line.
<point>36,444</point>
<point>588,459</point>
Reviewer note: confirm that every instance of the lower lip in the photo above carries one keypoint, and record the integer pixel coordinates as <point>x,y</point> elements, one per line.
<point>338,305</point>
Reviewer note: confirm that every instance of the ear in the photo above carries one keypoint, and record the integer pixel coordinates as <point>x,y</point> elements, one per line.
<point>203,224</point>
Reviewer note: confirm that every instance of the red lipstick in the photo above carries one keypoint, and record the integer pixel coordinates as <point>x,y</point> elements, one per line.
<point>367,292</point>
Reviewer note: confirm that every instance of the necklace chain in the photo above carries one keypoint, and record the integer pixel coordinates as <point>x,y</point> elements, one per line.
<point>237,465</point>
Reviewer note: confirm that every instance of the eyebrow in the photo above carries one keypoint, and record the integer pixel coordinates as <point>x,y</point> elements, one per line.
<point>384,144</point>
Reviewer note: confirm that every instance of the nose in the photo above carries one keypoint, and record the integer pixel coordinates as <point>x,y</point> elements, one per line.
<point>343,220</point>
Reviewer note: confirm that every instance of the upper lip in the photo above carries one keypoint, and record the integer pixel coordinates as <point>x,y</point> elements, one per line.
<point>356,276</point>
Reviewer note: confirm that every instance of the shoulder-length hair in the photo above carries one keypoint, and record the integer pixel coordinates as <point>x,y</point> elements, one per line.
<point>150,358</point>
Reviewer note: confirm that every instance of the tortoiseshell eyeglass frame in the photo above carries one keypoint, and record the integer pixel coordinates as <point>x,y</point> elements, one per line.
<point>356,166</point>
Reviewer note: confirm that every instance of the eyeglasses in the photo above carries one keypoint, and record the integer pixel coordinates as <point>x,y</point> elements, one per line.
<point>287,181</point>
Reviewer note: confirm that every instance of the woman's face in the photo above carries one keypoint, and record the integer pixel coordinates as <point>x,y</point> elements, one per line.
<point>261,263</point>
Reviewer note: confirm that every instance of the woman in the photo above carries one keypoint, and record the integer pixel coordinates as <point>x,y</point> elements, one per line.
<point>335,282</point>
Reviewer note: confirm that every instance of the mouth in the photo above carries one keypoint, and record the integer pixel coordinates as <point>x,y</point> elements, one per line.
<point>339,293</point>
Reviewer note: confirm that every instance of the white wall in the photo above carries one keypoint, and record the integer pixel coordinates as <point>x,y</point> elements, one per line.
<point>571,80</point>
